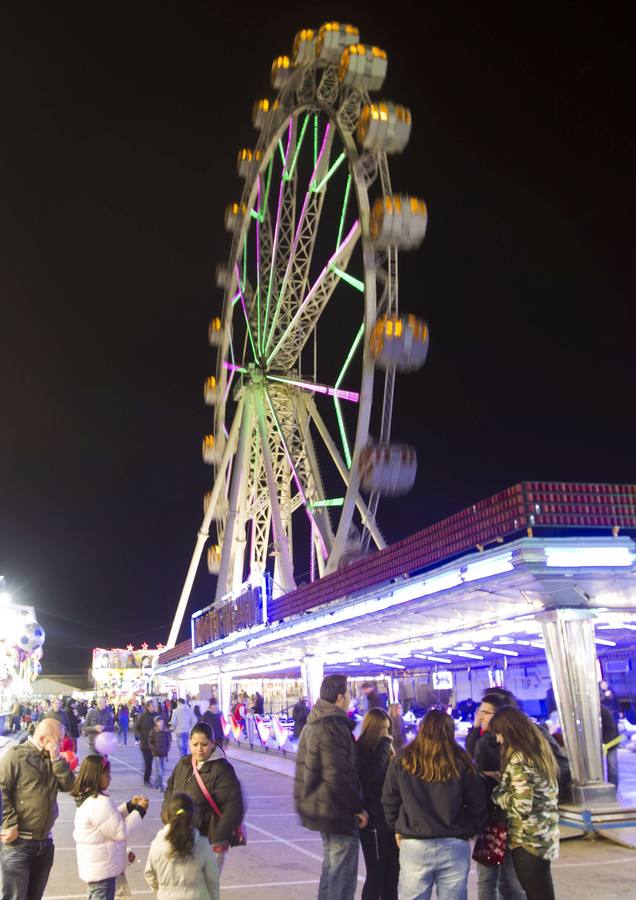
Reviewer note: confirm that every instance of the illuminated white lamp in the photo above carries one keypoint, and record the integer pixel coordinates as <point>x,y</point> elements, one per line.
<point>234,214</point>
<point>500,651</point>
<point>604,642</point>
<point>261,111</point>
<point>441,659</point>
<point>210,450</point>
<point>384,127</point>
<point>398,221</point>
<point>281,70</point>
<point>441,582</point>
<point>246,160</point>
<point>333,38</point>
<point>389,469</point>
<point>587,557</point>
<point>215,332</point>
<point>210,391</point>
<point>400,342</point>
<point>214,559</point>
<point>222,276</point>
<point>362,67</point>
<point>304,47</point>
<point>465,654</point>
<point>484,568</point>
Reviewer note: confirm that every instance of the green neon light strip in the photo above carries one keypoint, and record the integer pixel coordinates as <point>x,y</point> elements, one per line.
<point>354,282</point>
<point>343,433</point>
<point>337,501</point>
<point>282,152</point>
<point>316,188</point>
<point>341,425</point>
<point>354,347</point>
<point>254,214</point>
<point>345,203</point>
<point>289,175</point>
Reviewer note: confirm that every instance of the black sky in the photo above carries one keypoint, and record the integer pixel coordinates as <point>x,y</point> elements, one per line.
<point>119,127</point>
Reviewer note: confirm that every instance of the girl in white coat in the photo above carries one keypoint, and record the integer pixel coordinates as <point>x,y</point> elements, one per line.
<point>180,863</point>
<point>101,828</point>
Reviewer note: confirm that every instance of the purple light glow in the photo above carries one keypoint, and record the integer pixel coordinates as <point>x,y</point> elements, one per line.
<point>352,396</point>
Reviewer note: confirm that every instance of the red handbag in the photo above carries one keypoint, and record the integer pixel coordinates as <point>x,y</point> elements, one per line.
<point>490,846</point>
<point>239,835</point>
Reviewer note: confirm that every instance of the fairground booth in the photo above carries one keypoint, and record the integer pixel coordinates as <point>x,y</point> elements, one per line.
<point>532,589</point>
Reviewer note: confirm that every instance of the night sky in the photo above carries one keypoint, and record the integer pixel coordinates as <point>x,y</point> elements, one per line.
<point>119,128</point>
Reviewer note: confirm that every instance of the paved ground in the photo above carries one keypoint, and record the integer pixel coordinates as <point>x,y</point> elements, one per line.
<point>283,858</point>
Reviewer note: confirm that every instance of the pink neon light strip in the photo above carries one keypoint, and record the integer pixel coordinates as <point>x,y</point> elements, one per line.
<point>320,389</point>
<point>258,265</point>
<point>231,367</point>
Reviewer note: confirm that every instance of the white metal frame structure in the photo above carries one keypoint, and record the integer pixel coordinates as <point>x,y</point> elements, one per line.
<point>277,424</point>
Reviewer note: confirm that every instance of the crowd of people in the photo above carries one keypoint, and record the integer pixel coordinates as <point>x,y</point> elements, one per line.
<point>201,811</point>
<point>414,809</point>
<point>417,805</point>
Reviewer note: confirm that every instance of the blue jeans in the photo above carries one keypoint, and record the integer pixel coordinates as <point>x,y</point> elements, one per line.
<point>158,765</point>
<point>495,882</point>
<point>182,737</point>
<point>102,890</point>
<point>25,868</point>
<point>443,862</point>
<point>339,876</point>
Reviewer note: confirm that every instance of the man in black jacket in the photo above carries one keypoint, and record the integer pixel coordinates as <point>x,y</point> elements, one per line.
<point>144,726</point>
<point>327,789</point>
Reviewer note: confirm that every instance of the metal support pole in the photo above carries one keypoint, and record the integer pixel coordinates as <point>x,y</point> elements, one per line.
<point>280,536</point>
<point>571,653</point>
<point>240,465</point>
<point>204,531</point>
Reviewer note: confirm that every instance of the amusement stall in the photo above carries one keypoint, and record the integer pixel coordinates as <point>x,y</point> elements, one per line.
<point>125,674</point>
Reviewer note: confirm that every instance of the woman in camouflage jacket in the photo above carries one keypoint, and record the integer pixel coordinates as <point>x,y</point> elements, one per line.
<point>528,793</point>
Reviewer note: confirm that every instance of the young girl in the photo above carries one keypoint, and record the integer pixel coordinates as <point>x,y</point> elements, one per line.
<point>180,865</point>
<point>528,793</point>
<point>381,855</point>
<point>101,828</point>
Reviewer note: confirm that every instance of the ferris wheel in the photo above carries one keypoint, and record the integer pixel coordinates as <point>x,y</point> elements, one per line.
<point>301,442</point>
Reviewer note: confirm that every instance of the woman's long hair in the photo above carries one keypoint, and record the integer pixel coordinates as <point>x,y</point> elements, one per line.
<point>178,812</point>
<point>434,755</point>
<point>89,776</point>
<point>520,735</point>
<point>374,728</point>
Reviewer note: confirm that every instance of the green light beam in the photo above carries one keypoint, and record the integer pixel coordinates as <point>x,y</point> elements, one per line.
<point>345,203</point>
<point>316,188</point>
<point>354,282</point>
<point>289,175</point>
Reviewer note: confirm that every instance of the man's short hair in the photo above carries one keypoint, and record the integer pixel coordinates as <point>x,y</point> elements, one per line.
<point>332,686</point>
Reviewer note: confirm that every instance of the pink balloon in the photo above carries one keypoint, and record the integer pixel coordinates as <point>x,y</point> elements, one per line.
<point>106,743</point>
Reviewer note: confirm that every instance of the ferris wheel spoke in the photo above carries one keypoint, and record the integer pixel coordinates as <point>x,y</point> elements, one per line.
<point>316,388</point>
<point>285,218</point>
<point>299,260</point>
<point>247,319</point>
<point>295,336</point>
<point>368,519</point>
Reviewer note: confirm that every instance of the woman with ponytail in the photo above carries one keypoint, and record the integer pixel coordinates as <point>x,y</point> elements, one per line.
<point>180,865</point>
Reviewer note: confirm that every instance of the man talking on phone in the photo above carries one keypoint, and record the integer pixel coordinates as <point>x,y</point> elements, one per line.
<point>31,774</point>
